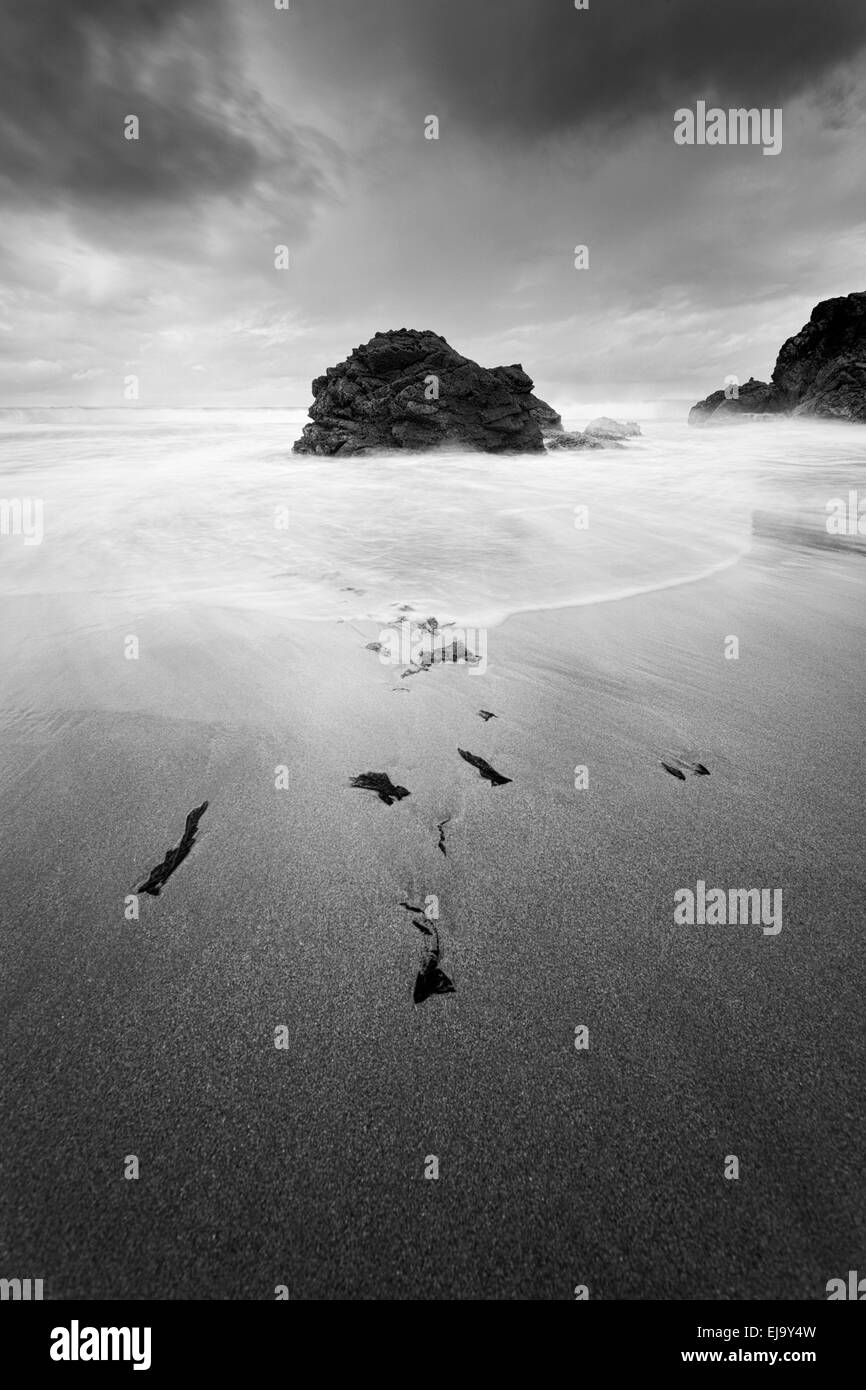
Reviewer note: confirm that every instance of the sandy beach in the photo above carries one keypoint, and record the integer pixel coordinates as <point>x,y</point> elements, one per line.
<point>304,1166</point>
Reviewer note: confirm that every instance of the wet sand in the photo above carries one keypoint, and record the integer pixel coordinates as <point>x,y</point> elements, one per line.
<point>304,1166</point>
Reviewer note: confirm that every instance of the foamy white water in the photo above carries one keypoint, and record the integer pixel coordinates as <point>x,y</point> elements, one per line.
<point>168,508</point>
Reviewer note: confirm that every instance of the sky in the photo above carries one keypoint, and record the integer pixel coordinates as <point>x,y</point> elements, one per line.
<point>304,127</point>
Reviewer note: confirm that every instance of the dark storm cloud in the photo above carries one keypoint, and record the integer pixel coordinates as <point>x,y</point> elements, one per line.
<point>535,67</point>
<point>71,71</point>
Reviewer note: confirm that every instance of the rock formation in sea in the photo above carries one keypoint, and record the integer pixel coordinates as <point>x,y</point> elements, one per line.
<point>820,371</point>
<point>601,433</point>
<point>410,390</point>
<point>576,439</point>
<point>603,427</point>
<point>753,398</point>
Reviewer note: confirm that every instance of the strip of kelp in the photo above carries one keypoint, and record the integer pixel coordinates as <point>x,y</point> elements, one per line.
<point>173,857</point>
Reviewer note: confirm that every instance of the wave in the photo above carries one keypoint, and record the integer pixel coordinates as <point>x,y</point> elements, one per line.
<point>211,507</point>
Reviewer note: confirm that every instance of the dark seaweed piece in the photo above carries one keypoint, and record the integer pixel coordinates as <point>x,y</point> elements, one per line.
<point>422,926</point>
<point>486,714</point>
<point>373,647</point>
<point>381,784</point>
<point>173,857</point>
<point>410,907</point>
<point>697,768</point>
<point>431,978</point>
<point>484,768</point>
<point>441,828</point>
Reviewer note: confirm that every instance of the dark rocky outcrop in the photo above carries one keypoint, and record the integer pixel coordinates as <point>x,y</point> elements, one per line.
<point>754,398</point>
<point>410,390</point>
<point>820,371</point>
<point>515,379</point>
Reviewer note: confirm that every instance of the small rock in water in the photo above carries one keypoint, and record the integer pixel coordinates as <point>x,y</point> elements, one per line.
<point>574,439</point>
<point>381,784</point>
<point>605,428</point>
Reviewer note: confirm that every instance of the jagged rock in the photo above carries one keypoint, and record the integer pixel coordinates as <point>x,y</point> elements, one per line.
<point>605,428</point>
<point>576,439</point>
<point>516,380</point>
<point>548,419</point>
<point>410,390</point>
<point>820,371</point>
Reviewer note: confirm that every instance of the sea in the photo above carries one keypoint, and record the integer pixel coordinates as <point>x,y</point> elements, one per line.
<point>182,507</point>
